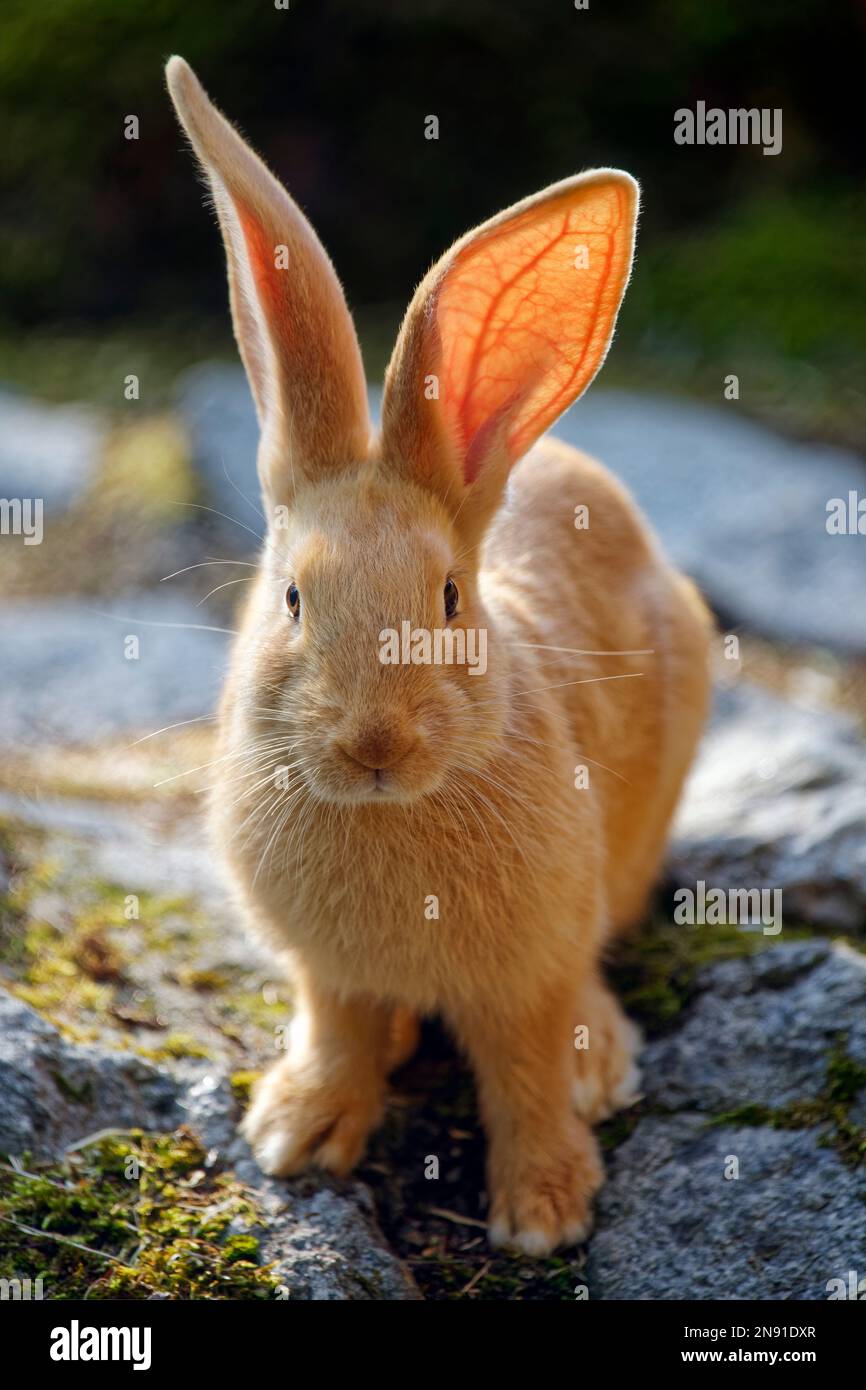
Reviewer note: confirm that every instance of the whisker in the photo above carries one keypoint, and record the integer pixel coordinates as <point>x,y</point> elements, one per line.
<point>588,680</point>
<point>199,506</point>
<point>576,752</point>
<point>241,493</point>
<point>202,564</point>
<point>247,579</point>
<point>584,651</point>
<point>190,770</point>
<point>179,725</point>
<point>150,622</point>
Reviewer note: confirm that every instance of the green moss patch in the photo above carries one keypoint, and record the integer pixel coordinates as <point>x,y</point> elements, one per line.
<point>128,1216</point>
<point>242,1083</point>
<point>846,1079</point>
<point>654,970</point>
<point>68,955</point>
<point>128,969</point>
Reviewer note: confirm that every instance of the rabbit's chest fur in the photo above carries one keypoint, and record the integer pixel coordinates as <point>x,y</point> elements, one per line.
<point>450,902</point>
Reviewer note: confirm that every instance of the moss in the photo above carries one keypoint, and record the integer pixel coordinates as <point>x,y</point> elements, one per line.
<point>27,879</point>
<point>242,1083</point>
<point>845,1079</point>
<point>146,470</point>
<point>496,1278</point>
<point>74,971</point>
<point>137,971</point>
<point>7,840</point>
<point>654,970</point>
<point>241,1248</point>
<point>849,1140</point>
<point>77,969</point>
<point>175,1045</point>
<point>250,1006</point>
<point>799,1115</point>
<point>203,981</point>
<point>619,1127</point>
<point>78,1095</point>
<point>130,1216</point>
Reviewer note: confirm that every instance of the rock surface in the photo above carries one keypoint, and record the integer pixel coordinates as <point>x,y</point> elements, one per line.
<point>773,802</point>
<point>759,1032</point>
<point>67,680</point>
<point>777,799</point>
<point>326,1245</point>
<point>791,1222</point>
<point>761,1029</point>
<point>740,508</point>
<point>56,1092</point>
<point>216,408</point>
<point>47,451</point>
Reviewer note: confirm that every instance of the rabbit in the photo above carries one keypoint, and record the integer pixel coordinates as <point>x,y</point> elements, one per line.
<point>417,838</point>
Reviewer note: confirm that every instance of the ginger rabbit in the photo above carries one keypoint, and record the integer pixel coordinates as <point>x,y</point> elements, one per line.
<point>420,837</point>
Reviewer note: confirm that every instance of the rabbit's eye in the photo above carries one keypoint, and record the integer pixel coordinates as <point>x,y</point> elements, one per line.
<point>293,601</point>
<point>452,598</point>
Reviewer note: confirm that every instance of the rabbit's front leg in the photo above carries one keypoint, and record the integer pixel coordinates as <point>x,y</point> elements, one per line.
<point>543,1161</point>
<point>317,1105</point>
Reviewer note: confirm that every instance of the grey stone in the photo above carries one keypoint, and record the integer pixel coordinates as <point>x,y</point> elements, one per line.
<point>215,405</point>
<point>55,1092</point>
<point>325,1244</point>
<point>210,1109</point>
<point>857,1113</point>
<point>136,850</point>
<point>669,1223</point>
<point>671,1226</point>
<point>740,508</point>
<point>47,451</point>
<point>66,679</point>
<point>760,1030</point>
<point>777,799</point>
<point>321,1236</point>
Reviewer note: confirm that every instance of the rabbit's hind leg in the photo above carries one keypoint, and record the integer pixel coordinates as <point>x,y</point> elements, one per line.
<point>606,1049</point>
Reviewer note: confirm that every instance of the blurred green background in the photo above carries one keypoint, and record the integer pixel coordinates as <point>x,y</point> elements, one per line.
<point>747,263</point>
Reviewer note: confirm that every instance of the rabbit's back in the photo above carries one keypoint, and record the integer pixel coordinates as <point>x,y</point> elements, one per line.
<point>619,638</point>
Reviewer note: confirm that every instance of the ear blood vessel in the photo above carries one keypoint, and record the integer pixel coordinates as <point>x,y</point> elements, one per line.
<point>352,794</point>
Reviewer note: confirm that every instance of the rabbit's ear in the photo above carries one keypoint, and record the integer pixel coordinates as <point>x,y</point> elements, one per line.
<point>291,322</point>
<point>506,331</point>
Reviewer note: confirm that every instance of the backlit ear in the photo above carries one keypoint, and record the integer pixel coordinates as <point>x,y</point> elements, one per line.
<point>505,332</point>
<point>291,322</point>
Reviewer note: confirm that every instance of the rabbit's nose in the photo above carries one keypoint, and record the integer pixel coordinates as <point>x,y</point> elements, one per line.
<point>378,748</point>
